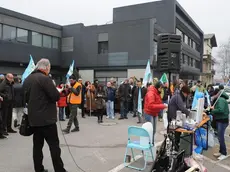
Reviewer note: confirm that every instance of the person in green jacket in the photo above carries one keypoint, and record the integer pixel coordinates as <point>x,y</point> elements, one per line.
<point>221,113</point>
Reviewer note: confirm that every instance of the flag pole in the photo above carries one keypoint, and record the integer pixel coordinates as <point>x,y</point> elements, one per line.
<point>220,94</point>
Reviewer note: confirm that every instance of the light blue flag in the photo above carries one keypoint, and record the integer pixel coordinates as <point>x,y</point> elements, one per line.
<point>197,95</point>
<point>30,68</point>
<point>139,107</point>
<point>148,74</point>
<point>194,102</point>
<point>208,98</point>
<point>70,72</point>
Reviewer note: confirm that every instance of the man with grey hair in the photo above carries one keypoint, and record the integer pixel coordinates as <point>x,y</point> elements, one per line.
<point>41,96</point>
<point>7,92</point>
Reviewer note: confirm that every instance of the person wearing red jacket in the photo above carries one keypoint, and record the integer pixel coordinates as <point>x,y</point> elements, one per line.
<point>62,103</point>
<point>153,104</point>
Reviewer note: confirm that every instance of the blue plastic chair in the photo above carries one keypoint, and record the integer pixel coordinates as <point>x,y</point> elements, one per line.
<point>140,132</point>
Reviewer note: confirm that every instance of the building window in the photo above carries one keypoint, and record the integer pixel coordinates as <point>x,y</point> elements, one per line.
<point>22,35</point>
<point>192,42</point>
<point>183,37</point>
<point>197,48</point>
<point>179,32</point>
<point>9,33</point>
<point>189,41</point>
<point>192,62</point>
<point>185,59</point>
<point>189,61</point>
<point>103,47</point>
<point>55,43</point>
<point>46,41</point>
<point>194,45</point>
<point>36,39</point>
<point>197,64</point>
<point>186,39</point>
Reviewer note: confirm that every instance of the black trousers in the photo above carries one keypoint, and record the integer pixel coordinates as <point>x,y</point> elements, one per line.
<point>7,116</point>
<point>50,135</point>
<point>1,123</point>
<point>100,114</point>
<point>82,108</point>
<point>67,111</point>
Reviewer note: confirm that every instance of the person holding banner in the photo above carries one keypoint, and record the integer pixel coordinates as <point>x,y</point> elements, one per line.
<point>74,99</point>
<point>139,91</point>
<point>221,113</point>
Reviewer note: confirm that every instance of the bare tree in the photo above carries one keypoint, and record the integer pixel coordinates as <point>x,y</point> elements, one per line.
<point>223,60</point>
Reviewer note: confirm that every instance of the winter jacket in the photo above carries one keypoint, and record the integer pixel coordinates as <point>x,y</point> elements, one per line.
<point>221,110</point>
<point>7,91</point>
<point>62,102</point>
<point>177,102</point>
<point>136,95</point>
<point>18,96</point>
<point>41,96</point>
<point>165,94</point>
<point>124,92</point>
<point>153,103</point>
<point>100,99</point>
<point>110,94</point>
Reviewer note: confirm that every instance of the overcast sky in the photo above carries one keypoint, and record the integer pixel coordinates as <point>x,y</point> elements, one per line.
<point>212,16</point>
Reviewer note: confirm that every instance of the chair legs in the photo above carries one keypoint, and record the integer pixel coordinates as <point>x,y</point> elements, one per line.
<point>126,151</point>
<point>151,150</point>
<point>146,154</point>
<point>133,154</point>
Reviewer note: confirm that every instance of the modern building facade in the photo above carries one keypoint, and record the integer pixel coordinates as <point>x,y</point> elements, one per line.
<point>208,59</point>
<point>117,50</point>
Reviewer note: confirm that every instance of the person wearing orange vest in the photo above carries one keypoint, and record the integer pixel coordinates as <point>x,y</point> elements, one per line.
<point>74,99</point>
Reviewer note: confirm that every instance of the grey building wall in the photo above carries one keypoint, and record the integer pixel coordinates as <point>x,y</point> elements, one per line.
<point>186,24</point>
<point>169,15</point>
<point>132,38</point>
<point>19,53</point>
<point>12,51</point>
<point>24,17</point>
<point>163,11</point>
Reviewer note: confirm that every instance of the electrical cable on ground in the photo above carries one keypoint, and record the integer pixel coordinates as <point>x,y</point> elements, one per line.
<point>69,149</point>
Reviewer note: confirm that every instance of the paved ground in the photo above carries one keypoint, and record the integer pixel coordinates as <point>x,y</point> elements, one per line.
<point>96,148</point>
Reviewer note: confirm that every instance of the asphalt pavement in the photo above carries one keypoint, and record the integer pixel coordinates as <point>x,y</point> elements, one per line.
<point>96,148</point>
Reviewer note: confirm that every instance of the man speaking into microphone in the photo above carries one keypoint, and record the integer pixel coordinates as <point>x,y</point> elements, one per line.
<point>41,96</point>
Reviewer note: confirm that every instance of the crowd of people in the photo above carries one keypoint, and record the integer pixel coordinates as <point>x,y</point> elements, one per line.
<point>43,98</point>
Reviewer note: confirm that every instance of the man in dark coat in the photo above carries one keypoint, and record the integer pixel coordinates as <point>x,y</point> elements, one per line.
<point>41,96</point>
<point>7,92</point>
<point>18,106</point>
<point>124,93</point>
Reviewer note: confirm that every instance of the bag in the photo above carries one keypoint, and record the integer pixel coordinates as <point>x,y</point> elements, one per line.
<point>165,119</point>
<point>25,129</point>
<point>211,141</point>
<point>201,138</point>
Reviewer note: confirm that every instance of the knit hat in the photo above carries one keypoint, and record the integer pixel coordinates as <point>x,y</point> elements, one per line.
<point>185,89</point>
<point>158,85</point>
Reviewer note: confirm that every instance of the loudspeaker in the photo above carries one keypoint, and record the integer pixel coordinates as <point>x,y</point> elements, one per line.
<point>169,52</point>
